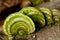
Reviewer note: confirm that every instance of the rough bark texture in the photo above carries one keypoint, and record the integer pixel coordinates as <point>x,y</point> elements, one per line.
<point>4,4</point>
<point>8,3</point>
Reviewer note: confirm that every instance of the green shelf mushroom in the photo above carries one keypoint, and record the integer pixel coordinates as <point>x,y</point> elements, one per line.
<point>29,20</point>
<point>18,24</point>
<point>56,15</point>
<point>35,15</point>
<point>48,15</point>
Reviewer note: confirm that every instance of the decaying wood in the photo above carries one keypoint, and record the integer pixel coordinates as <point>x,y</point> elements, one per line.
<point>46,33</point>
<point>52,4</point>
<point>8,3</point>
<point>4,4</point>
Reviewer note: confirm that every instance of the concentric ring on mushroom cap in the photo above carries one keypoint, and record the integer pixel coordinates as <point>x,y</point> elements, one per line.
<point>18,17</point>
<point>48,15</point>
